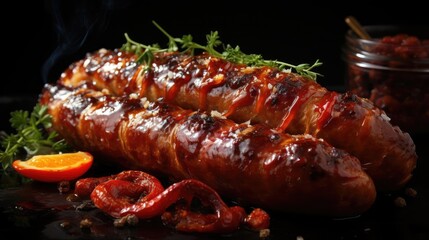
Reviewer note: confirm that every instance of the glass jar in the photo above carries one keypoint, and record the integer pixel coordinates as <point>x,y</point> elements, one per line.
<point>392,70</point>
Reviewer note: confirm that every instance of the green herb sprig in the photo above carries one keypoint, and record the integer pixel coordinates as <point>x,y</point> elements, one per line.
<point>31,136</point>
<point>234,54</point>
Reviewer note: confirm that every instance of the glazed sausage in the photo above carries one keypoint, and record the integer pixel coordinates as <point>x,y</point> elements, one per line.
<point>281,100</point>
<point>251,164</point>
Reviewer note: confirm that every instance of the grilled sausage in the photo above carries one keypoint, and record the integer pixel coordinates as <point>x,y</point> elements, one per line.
<point>251,164</point>
<point>284,101</point>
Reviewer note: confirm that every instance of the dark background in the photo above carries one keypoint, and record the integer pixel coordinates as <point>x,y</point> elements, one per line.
<point>41,38</point>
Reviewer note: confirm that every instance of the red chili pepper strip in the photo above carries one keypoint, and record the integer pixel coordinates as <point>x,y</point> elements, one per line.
<point>84,187</point>
<point>222,218</point>
<point>125,190</point>
<point>140,194</point>
<point>152,186</point>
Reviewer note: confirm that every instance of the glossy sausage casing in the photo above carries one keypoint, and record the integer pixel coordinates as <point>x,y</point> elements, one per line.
<point>251,164</point>
<point>284,101</point>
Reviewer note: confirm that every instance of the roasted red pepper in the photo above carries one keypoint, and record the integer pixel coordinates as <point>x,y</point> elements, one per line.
<point>140,194</point>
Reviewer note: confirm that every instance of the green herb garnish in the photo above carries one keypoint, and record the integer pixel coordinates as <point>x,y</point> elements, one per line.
<point>31,136</point>
<point>234,54</point>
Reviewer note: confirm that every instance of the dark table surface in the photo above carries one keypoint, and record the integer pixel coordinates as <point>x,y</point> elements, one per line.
<point>37,210</point>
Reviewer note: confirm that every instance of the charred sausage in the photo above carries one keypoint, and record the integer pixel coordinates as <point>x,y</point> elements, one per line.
<point>284,101</point>
<point>251,164</point>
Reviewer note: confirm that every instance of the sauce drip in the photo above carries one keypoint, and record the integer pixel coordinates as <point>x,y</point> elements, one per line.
<point>207,86</point>
<point>324,109</point>
<point>173,86</point>
<point>301,97</point>
<point>263,92</point>
<point>214,76</point>
<point>243,98</point>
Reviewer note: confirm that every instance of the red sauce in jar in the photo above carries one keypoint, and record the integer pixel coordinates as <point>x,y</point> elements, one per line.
<point>393,72</point>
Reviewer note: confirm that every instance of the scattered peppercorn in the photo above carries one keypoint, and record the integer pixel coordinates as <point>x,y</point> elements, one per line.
<point>400,202</point>
<point>73,198</point>
<point>64,186</point>
<point>132,220</point>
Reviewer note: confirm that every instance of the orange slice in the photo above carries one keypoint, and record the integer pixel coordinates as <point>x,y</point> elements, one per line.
<point>55,167</point>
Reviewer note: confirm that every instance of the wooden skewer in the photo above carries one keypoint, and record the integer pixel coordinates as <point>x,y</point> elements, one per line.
<point>357,28</point>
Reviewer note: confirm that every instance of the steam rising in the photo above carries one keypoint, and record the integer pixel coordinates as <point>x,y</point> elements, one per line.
<point>74,23</point>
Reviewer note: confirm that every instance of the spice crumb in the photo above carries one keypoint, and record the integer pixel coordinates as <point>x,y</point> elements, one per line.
<point>85,223</point>
<point>65,224</point>
<point>400,202</point>
<point>120,222</point>
<point>411,192</point>
<point>85,205</point>
<point>132,220</point>
<point>264,233</point>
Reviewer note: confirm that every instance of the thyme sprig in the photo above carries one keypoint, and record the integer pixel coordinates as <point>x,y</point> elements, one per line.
<point>234,54</point>
<point>31,136</point>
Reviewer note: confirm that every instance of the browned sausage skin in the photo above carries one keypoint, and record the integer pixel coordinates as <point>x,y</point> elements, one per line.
<point>284,101</point>
<point>252,164</point>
